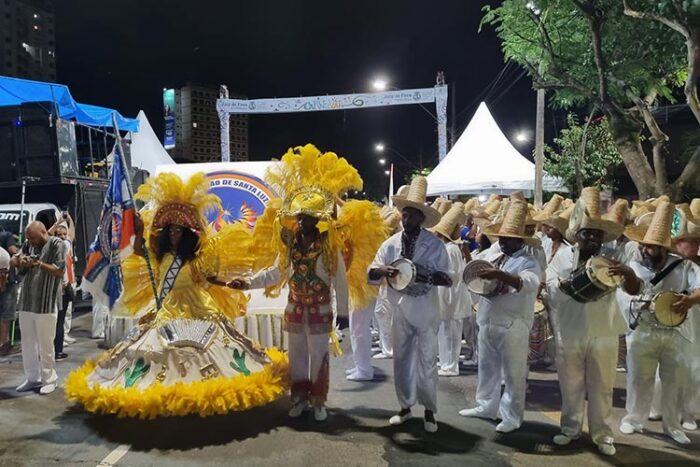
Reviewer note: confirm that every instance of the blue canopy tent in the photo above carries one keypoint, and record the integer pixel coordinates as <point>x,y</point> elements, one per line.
<point>14,91</point>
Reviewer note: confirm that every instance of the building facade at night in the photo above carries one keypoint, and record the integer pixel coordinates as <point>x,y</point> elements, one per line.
<point>27,39</point>
<point>197,130</point>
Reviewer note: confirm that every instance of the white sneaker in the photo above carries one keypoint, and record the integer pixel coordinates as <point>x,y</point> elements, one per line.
<point>475,412</point>
<point>398,419</point>
<point>430,427</point>
<point>562,440</point>
<point>350,371</point>
<point>357,376</point>
<point>506,427</point>
<point>47,389</point>
<point>690,425</point>
<point>382,356</point>
<point>607,449</point>
<point>320,414</point>
<point>448,373</point>
<point>679,437</point>
<point>67,340</point>
<point>297,409</point>
<point>28,386</point>
<point>628,428</point>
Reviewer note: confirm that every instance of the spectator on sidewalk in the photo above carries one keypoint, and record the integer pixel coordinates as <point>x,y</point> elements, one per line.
<point>42,261</point>
<point>64,229</point>
<point>8,296</point>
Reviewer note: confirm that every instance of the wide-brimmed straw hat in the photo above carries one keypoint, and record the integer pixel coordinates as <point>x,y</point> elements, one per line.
<point>402,191</point>
<point>689,225</point>
<point>453,218</point>
<point>695,207</point>
<point>560,220</point>
<point>391,218</point>
<point>587,215</point>
<point>416,198</point>
<point>658,232</point>
<point>470,204</point>
<point>513,224</point>
<point>443,206</point>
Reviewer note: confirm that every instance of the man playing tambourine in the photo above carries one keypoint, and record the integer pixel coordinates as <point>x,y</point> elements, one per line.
<point>416,318</point>
<point>654,340</point>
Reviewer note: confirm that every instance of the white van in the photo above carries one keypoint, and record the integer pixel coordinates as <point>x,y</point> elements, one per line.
<point>47,213</point>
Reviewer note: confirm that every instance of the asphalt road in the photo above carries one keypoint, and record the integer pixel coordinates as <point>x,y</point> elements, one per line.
<point>46,430</point>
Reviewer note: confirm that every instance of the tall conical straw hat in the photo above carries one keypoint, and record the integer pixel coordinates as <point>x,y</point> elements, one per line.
<point>553,206</point>
<point>416,198</point>
<point>560,220</point>
<point>658,232</point>
<point>402,191</point>
<point>619,212</point>
<point>470,204</point>
<point>445,206</point>
<point>587,215</point>
<point>450,221</point>
<point>513,224</point>
<point>391,218</point>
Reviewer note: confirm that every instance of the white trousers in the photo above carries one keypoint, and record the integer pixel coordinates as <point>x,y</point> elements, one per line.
<point>361,339</point>
<point>470,330</point>
<point>647,349</point>
<point>308,366</point>
<point>100,313</point>
<point>415,364</point>
<point>38,331</point>
<point>503,354</point>
<point>450,344</point>
<point>69,318</point>
<point>383,313</point>
<point>587,370</point>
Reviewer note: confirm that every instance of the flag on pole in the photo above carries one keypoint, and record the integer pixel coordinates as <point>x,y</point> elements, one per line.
<point>391,185</point>
<point>103,276</point>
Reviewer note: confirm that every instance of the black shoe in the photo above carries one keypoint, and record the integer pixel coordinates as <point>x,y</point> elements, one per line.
<point>61,356</point>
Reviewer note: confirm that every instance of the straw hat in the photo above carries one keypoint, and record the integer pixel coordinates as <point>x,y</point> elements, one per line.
<point>513,224</point>
<point>470,204</point>
<point>453,218</point>
<point>619,212</point>
<point>586,215</point>
<point>553,206</point>
<point>415,198</point>
<point>518,195</point>
<point>445,206</point>
<point>690,225</point>
<point>695,208</point>
<point>658,232</point>
<point>402,191</point>
<point>560,220</point>
<point>391,218</point>
<point>4,259</point>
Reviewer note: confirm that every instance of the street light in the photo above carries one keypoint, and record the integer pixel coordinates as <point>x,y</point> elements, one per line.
<point>382,161</point>
<point>380,84</point>
<point>379,147</point>
<point>387,172</point>
<point>521,137</point>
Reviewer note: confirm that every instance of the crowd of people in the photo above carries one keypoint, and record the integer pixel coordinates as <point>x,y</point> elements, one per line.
<point>456,279</point>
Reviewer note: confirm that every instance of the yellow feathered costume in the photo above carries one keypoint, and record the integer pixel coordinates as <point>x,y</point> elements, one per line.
<point>184,357</point>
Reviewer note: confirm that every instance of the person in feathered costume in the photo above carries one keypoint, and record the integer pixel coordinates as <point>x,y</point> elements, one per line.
<point>185,356</point>
<point>318,253</point>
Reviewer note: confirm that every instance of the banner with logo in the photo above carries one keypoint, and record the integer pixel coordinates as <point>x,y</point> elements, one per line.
<point>169,116</point>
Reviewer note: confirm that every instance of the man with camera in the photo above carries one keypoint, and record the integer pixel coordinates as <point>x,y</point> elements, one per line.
<point>42,261</point>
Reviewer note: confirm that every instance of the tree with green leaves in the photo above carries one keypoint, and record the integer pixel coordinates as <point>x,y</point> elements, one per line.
<point>590,53</point>
<point>583,155</point>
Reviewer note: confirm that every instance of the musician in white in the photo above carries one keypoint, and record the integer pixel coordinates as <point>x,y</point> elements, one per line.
<point>505,321</point>
<point>586,333</point>
<point>416,318</point>
<point>652,344</point>
<point>455,301</point>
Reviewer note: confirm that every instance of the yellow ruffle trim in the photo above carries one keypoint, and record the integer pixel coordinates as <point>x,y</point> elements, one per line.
<point>216,396</point>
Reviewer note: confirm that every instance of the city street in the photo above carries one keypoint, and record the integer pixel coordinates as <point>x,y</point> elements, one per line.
<point>47,430</point>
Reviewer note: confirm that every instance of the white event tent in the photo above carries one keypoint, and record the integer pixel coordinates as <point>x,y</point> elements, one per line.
<point>483,161</point>
<point>147,152</point>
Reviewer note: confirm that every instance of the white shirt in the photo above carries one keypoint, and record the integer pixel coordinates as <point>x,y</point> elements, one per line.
<point>455,302</point>
<point>573,320</point>
<point>684,278</point>
<point>422,311</point>
<point>503,310</point>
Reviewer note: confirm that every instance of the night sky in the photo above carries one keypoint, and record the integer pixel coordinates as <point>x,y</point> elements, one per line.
<point>121,54</point>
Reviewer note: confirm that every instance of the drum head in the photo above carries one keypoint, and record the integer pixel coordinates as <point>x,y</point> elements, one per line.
<point>405,276</point>
<point>598,271</point>
<point>474,283</point>
<point>662,309</point>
